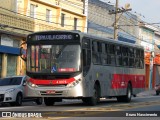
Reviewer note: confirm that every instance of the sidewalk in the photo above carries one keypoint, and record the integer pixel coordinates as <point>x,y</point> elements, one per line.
<point>147,93</point>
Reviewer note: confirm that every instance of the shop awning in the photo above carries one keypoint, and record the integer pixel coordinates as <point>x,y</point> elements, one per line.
<point>9,50</point>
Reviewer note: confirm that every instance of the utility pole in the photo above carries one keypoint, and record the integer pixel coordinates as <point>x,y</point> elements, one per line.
<point>117,10</point>
<point>116,21</point>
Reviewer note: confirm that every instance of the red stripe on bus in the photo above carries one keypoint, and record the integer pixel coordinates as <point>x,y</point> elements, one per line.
<point>121,81</point>
<point>51,82</point>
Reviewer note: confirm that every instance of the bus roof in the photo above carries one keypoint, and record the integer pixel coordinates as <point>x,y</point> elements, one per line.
<point>90,36</point>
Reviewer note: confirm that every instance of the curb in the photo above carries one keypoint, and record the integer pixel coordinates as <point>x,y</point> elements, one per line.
<point>147,93</point>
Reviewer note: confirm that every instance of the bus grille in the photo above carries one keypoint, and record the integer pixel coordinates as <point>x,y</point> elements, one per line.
<point>51,85</point>
<point>54,94</point>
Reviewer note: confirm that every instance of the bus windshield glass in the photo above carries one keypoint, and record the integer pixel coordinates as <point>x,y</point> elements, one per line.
<point>53,58</point>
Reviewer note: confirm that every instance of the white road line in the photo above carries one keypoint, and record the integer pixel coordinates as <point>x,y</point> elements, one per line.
<point>14,107</point>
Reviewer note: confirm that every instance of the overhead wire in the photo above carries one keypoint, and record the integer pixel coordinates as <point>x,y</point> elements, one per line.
<point>71,25</point>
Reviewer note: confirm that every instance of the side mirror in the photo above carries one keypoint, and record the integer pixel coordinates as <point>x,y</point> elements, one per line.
<point>24,83</point>
<point>23,54</point>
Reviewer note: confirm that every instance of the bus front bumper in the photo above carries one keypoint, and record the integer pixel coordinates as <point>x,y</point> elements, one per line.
<point>63,92</point>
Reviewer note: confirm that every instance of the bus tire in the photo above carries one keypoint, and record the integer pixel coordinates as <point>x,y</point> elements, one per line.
<point>127,97</point>
<point>95,98</point>
<point>48,101</point>
<point>39,101</point>
<point>120,99</point>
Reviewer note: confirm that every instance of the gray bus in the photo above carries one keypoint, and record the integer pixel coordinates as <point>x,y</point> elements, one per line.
<point>72,64</point>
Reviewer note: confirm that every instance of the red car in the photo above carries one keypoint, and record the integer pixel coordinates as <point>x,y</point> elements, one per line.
<point>157,89</point>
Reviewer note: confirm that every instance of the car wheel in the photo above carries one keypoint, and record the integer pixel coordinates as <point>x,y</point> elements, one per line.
<point>18,101</point>
<point>39,101</point>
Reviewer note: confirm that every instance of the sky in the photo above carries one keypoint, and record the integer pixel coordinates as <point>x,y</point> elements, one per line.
<point>147,10</point>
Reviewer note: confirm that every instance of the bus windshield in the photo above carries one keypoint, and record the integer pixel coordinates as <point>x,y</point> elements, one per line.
<point>53,58</point>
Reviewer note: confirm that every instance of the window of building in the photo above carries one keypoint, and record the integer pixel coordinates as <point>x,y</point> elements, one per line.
<point>48,15</point>
<point>33,11</point>
<point>62,19</point>
<point>75,23</point>
<point>11,65</point>
<point>16,43</point>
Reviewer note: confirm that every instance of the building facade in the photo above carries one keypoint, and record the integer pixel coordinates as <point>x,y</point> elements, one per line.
<point>149,38</point>
<point>101,23</point>
<point>18,18</point>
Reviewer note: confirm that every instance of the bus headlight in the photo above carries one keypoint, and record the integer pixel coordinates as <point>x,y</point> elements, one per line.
<point>32,85</point>
<point>74,83</point>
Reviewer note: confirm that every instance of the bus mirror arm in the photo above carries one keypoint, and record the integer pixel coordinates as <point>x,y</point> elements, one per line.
<point>23,43</point>
<point>23,57</point>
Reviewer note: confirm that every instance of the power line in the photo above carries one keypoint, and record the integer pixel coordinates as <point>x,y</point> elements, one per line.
<point>65,24</point>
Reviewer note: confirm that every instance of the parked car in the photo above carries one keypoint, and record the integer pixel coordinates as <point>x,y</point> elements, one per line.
<point>12,91</point>
<point>157,89</point>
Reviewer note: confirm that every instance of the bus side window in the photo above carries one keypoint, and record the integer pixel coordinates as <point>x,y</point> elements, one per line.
<point>104,54</point>
<point>96,49</point>
<point>137,53</point>
<point>86,60</point>
<point>86,54</point>
<point>118,55</point>
<point>125,56</point>
<point>137,63</point>
<point>131,57</point>
<point>111,54</point>
<point>141,63</point>
<point>142,54</point>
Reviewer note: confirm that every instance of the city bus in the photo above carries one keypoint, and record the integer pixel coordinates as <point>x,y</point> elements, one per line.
<point>75,65</point>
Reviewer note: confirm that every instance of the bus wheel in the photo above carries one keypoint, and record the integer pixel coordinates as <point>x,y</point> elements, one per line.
<point>39,101</point>
<point>128,97</point>
<point>95,98</point>
<point>49,101</point>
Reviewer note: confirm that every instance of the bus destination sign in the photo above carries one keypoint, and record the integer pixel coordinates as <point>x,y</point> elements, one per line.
<point>54,37</point>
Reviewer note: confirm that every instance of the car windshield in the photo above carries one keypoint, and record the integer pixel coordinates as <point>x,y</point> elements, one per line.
<point>53,58</point>
<point>10,81</point>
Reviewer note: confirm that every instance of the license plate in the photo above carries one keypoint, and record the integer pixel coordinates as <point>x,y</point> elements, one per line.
<point>50,91</point>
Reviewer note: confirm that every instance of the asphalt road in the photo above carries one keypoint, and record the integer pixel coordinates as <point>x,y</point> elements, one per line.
<point>106,109</point>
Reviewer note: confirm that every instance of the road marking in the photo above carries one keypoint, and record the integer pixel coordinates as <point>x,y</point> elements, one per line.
<point>108,108</point>
<point>14,107</point>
